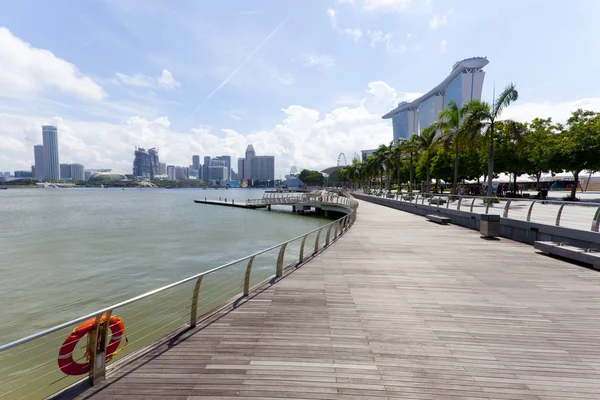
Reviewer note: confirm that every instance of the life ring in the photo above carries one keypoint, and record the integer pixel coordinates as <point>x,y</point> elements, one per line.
<point>68,365</point>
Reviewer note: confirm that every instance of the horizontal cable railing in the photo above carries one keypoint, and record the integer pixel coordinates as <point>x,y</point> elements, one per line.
<point>48,361</point>
<point>299,199</point>
<point>583,216</point>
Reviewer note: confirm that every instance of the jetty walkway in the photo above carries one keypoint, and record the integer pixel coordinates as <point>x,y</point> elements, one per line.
<point>398,308</point>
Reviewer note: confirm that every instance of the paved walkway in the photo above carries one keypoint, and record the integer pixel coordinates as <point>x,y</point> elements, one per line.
<point>398,308</point>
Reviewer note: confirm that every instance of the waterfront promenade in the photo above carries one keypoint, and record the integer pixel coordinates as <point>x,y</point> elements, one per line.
<point>398,308</point>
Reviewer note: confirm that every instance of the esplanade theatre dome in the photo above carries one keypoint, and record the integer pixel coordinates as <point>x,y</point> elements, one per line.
<point>99,177</point>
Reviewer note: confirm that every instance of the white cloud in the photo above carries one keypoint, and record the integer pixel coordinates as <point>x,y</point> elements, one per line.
<point>319,61</point>
<point>26,71</point>
<point>443,46</point>
<point>438,21</point>
<point>305,137</point>
<point>332,18</point>
<point>386,5</point>
<point>355,33</point>
<point>164,81</point>
<point>377,36</point>
<point>559,112</point>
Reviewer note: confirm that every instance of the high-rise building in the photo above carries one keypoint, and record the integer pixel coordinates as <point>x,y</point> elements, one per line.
<point>254,167</point>
<point>65,172</point>
<point>38,153</point>
<point>162,168</point>
<point>217,171</point>
<point>171,173</point>
<point>22,174</point>
<point>33,171</point>
<point>250,153</point>
<point>146,163</point>
<point>227,159</point>
<point>196,162</point>
<point>51,161</point>
<point>465,83</point>
<point>205,174</point>
<point>77,172</point>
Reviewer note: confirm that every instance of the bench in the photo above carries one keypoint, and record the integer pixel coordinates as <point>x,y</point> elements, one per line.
<point>438,219</point>
<point>586,256</point>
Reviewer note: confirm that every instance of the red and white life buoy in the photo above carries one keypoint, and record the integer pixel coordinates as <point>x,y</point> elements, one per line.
<point>68,365</point>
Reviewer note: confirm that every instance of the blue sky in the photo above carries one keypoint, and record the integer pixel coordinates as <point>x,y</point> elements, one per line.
<point>303,80</point>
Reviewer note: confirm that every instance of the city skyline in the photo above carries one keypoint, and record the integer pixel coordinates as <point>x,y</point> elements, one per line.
<point>200,78</point>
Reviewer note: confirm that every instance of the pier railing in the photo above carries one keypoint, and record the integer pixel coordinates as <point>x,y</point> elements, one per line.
<point>295,198</point>
<point>575,215</point>
<point>29,367</point>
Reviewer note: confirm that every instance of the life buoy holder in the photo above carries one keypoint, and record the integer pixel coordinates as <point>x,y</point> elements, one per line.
<point>68,365</point>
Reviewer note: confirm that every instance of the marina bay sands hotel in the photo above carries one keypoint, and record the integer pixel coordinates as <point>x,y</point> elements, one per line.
<point>464,84</point>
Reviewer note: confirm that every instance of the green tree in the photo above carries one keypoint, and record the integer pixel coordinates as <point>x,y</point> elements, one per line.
<point>489,115</point>
<point>458,129</point>
<point>428,142</point>
<point>412,148</point>
<point>542,142</point>
<point>512,150</point>
<point>443,165</point>
<point>579,145</point>
<point>311,178</point>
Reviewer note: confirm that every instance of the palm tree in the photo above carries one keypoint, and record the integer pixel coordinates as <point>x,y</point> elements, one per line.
<point>381,156</point>
<point>396,151</point>
<point>490,114</point>
<point>457,128</point>
<point>428,141</point>
<point>412,147</point>
<point>372,168</point>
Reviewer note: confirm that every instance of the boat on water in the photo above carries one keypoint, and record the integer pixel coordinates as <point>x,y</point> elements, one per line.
<point>3,188</point>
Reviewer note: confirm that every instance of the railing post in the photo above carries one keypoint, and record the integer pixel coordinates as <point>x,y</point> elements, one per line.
<point>596,221</point>
<point>448,202</point>
<point>558,215</point>
<point>328,235</point>
<point>416,198</point>
<point>247,277</point>
<point>506,208</point>
<point>301,256</point>
<point>529,211</point>
<point>317,241</point>
<point>194,310</point>
<point>336,223</point>
<point>473,202</point>
<point>97,348</point>
<point>439,201</point>
<point>279,269</point>
<point>459,201</point>
<point>423,199</point>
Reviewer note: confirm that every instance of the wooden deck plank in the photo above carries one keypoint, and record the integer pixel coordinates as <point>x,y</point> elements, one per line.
<point>399,309</point>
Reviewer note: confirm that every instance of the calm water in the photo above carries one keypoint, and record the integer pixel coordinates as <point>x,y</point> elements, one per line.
<point>66,252</point>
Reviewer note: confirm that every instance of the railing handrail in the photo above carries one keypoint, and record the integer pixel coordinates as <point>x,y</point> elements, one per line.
<point>155,291</point>
<point>467,196</point>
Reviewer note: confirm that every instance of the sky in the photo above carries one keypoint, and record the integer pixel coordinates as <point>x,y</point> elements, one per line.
<point>301,80</point>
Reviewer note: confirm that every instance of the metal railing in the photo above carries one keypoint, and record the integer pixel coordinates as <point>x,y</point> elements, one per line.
<point>29,367</point>
<point>575,215</point>
<point>299,199</point>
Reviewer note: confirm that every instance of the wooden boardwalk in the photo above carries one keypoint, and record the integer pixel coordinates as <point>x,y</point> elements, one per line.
<point>398,308</point>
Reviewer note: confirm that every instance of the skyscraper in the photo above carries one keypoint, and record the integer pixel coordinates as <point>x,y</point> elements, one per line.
<point>196,162</point>
<point>254,167</point>
<point>227,160</point>
<point>51,163</point>
<point>77,172</point>
<point>154,163</point>
<point>65,172</point>
<point>465,83</point>
<point>250,153</point>
<point>146,163</point>
<point>38,153</point>
<point>205,166</point>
